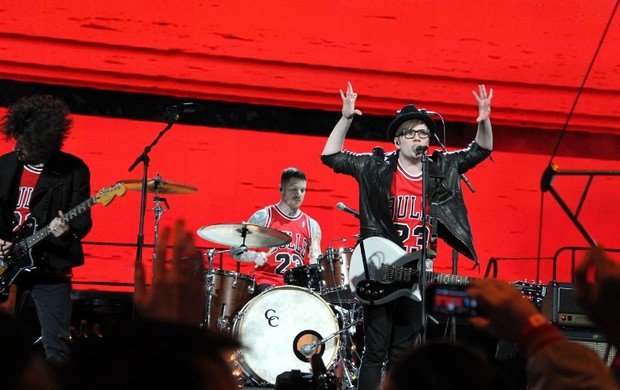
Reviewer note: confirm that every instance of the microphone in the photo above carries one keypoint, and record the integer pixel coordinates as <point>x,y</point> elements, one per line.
<point>420,149</point>
<point>307,349</point>
<point>342,207</point>
<point>429,113</point>
<point>187,107</point>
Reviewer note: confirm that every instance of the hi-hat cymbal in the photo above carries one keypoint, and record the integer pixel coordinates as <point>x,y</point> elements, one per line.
<point>160,186</point>
<point>253,236</point>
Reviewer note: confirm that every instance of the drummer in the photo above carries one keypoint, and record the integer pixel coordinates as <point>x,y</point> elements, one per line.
<point>285,216</point>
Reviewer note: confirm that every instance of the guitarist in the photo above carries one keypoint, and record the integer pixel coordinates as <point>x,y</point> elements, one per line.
<point>390,195</point>
<point>38,180</point>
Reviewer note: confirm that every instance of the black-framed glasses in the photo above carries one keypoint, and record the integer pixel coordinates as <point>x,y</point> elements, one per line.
<point>410,133</point>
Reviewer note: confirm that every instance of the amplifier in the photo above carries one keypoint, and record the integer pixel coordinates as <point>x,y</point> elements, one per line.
<point>560,306</point>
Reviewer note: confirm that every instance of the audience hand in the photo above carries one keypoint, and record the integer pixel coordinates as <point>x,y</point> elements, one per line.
<point>506,310</point>
<point>598,290</point>
<point>176,294</point>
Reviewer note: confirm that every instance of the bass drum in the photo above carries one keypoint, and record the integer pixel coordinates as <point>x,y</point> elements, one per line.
<point>274,326</point>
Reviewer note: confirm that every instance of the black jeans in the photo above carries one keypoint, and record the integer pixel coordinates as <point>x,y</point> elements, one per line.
<point>52,303</point>
<point>389,331</point>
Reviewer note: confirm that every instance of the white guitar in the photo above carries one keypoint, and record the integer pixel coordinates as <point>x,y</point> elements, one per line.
<point>392,272</point>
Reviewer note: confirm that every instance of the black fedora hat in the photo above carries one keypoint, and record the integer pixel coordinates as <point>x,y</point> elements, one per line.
<point>407,113</point>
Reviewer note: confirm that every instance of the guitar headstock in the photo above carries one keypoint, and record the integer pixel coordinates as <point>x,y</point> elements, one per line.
<point>535,292</point>
<point>105,195</point>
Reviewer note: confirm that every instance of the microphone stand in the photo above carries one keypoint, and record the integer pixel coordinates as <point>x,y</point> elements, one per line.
<point>424,254</point>
<point>145,160</point>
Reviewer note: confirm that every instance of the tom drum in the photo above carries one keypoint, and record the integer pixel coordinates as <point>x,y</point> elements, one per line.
<point>334,270</point>
<point>227,293</point>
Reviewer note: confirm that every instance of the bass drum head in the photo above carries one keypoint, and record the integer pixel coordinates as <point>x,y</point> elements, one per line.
<point>273,327</point>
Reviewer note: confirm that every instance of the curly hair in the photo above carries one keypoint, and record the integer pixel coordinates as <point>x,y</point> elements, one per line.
<point>39,121</point>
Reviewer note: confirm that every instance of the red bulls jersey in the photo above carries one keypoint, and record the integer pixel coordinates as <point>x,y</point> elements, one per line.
<point>30,176</point>
<point>406,208</point>
<point>287,256</point>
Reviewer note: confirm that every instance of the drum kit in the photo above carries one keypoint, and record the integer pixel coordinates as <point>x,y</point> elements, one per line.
<point>283,328</point>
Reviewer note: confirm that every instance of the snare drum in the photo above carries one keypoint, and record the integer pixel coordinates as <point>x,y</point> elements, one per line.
<point>227,293</point>
<point>274,326</point>
<point>334,270</point>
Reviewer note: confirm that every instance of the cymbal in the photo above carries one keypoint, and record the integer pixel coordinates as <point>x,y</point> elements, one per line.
<point>253,236</point>
<point>163,186</point>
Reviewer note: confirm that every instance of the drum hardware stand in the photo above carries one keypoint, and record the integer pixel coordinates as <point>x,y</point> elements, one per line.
<point>158,210</point>
<point>349,370</point>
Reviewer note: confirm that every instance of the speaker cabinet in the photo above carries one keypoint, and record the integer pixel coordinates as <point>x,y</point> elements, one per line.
<point>593,340</point>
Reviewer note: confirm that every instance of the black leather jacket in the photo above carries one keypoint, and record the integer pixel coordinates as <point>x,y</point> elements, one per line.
<point>64,183</point>
<point>374,173</point>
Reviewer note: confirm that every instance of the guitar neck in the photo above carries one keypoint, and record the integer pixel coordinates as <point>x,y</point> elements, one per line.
<point>41,234</point>
<point>433,277</point>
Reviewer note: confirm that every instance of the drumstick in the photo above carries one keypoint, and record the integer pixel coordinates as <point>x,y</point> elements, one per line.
<point>271,252</point>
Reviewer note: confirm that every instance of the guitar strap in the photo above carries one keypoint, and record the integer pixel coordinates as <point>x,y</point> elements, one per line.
<point>434,234</point>
<point>365,263</point>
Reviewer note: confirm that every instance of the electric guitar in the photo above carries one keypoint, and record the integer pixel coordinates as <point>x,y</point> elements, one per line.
<point>392,272</point>
<point>20,256</point>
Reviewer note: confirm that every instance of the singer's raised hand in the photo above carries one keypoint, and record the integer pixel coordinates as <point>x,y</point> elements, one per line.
<point>348,102</point>
<point>484,102</point>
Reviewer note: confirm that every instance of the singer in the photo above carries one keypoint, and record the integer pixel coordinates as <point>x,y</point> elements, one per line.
<point>390,186</point>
